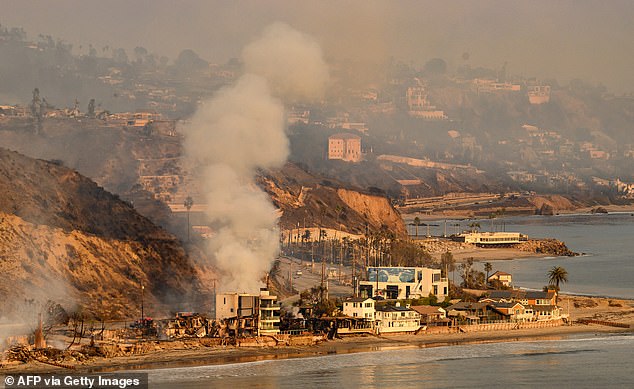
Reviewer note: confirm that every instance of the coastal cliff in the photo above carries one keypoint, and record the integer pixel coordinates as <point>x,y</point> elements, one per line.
<point>307,200</point>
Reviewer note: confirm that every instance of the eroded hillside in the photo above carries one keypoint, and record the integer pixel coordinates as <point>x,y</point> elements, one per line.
<point>308,200</point>
<point>63,237</point>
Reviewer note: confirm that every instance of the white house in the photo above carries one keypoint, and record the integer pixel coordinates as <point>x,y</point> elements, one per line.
<point>396,319</point>
<point>359,307</point>
<point>404,283</point>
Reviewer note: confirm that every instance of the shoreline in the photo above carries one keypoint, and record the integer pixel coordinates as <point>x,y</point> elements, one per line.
<point>193,353</point>
<point>467,214</point>
<point>203,356</point>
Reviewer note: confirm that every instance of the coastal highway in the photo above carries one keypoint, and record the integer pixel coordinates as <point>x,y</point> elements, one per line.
<point>305,274</point>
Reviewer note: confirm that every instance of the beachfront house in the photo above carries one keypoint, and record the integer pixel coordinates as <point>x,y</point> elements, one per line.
<point>541,305</point>
<point>515,311</point>
<point>431,315</point>
<point>359,307</point>
<point>395,318</point>
<point>475,313</point>
<point>525,297</point>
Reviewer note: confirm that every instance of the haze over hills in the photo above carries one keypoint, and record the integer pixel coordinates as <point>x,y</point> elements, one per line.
<point>487,135</point>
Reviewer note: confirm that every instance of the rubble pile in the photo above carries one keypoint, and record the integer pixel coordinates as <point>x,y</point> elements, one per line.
<point>48,355</point>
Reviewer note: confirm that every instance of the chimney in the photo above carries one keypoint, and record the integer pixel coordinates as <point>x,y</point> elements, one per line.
<point>40,342</point>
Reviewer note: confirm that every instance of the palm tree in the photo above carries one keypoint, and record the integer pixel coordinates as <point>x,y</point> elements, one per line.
<point>416,224</point>
<point>557,275</point>
<point>474,226</point>
<point>487,268</point>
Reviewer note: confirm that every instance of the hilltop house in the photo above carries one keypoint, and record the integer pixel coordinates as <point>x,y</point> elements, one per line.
<point>346,147</point>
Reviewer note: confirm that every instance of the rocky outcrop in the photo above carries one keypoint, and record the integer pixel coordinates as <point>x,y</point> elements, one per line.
<point>550,205</point>
<point>552,247</point>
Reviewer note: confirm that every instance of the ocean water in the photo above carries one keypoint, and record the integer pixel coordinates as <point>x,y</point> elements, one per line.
<point>583,361</point>
<point>606,267</point>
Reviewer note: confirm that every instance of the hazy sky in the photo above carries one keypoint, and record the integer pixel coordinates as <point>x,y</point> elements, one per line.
<point>548,39</point>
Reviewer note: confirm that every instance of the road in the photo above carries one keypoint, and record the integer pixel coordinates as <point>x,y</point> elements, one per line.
<point>305,275</point>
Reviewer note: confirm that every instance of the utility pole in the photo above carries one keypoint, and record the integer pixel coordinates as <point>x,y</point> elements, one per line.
<point>322,272</point>
<point>354,264</point>
<point>142,312</point>
<point>290,274</point>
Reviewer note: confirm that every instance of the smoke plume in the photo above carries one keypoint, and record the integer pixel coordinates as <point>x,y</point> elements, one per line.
<point>242,129</point>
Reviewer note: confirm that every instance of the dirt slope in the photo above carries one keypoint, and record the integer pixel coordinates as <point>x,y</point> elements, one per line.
<point>63,237</point>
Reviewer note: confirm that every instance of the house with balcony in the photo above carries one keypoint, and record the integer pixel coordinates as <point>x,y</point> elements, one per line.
<point>257,314</point>
<point>540,304</point>
<point>431,315</point>
<point>404,283</point>
<point>395,318</point>
<point>268,314</point>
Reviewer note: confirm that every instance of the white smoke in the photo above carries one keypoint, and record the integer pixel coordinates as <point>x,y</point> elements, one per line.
<point>291,61</point>
<point>241,129</point>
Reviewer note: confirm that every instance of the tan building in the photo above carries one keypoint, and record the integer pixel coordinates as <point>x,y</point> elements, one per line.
<point>503,278</point>
<point>346,147</point>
